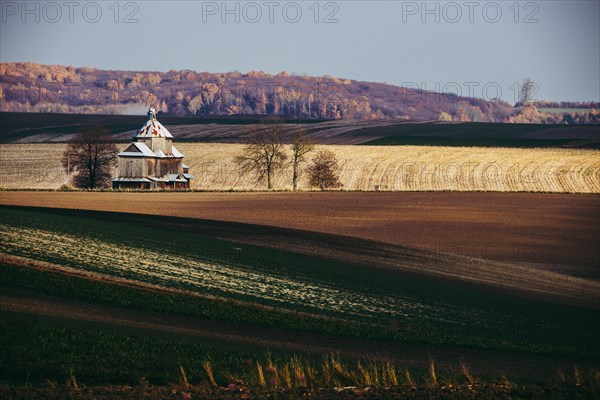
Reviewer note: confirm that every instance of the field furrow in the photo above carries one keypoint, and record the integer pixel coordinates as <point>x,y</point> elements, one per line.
<point>396,168</point>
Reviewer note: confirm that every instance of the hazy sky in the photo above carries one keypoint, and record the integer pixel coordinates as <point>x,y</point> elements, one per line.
<point>462,46</point>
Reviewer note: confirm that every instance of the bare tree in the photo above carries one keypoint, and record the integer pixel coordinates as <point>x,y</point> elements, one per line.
<point>264,153</point>
<point>90,155</point>
<point>323,170</point>
<point>528,89</point>
<point>301,146</point>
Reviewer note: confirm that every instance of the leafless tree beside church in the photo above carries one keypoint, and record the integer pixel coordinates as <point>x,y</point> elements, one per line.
<point>90,156</point>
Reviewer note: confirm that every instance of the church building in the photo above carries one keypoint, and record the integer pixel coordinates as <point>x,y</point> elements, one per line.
<point>151,161</point>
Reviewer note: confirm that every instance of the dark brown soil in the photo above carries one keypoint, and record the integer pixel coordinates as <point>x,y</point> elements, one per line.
<point>557,232</point>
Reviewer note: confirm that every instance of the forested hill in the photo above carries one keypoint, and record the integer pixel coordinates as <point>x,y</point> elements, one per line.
<point>29,87</point>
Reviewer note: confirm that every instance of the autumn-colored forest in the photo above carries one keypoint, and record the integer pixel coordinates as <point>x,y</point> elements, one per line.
<point>29,87</point>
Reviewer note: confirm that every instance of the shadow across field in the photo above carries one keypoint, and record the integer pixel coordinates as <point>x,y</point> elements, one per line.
<point>368,257</point>
<point>322,274</point>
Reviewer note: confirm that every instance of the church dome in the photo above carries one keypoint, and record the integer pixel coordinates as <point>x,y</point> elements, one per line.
<point>152,128</point>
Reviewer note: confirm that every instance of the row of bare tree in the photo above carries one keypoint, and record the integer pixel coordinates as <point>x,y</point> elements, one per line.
<point>91,156</point>
<point>265,154</point>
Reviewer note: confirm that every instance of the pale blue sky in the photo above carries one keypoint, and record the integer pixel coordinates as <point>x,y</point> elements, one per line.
<point>382,41</point>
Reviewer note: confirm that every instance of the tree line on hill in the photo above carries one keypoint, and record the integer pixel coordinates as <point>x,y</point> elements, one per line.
<point>567,104</point>
<point>30,87</point>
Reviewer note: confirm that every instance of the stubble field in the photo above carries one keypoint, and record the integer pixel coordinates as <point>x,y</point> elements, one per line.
<point>364,168</point>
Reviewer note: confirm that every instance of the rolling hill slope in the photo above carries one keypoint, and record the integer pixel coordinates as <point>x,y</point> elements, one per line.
<point>57,128</point>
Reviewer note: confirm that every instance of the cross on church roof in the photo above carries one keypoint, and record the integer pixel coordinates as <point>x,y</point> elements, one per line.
<point>152,113</point>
